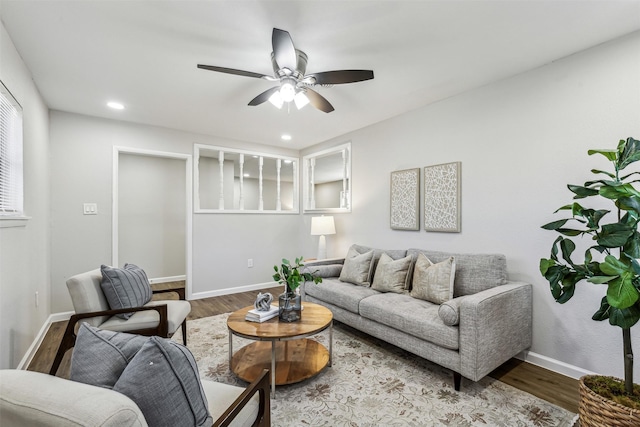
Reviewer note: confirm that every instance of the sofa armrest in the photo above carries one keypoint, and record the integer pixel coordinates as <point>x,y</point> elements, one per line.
<point>495,325</point>
<point>32,398</point>
<point>261,386</point>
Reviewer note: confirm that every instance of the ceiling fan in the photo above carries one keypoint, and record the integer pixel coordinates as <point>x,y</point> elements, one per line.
<point>289,66</point>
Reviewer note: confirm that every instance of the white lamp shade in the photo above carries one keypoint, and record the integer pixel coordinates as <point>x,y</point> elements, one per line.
<point>322,225</point>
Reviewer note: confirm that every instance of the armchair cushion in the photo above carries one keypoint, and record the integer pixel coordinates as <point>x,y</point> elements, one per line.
<point>220,397</point>
<point>125,287</point>
<point>177,311</point>
<point>163,380</point>
<point>100,356</point>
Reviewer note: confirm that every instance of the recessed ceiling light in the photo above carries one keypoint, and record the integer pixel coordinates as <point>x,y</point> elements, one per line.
<point>246,175</point>
<point>115,105</point>
<point>287,161</point>
<point>286,137</point>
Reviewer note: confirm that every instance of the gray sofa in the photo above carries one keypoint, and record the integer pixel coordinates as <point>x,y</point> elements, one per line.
<point>494,315</point>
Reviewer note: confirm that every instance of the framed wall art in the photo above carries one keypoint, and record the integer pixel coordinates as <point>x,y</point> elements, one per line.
<point>405,199</point>
<point>442,188</point>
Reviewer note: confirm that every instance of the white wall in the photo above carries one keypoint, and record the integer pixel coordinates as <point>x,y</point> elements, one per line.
<point>520,142</point>
<point>81,171</point>
<point>24,251</point>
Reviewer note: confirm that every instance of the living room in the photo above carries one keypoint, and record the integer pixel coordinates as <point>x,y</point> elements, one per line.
<point>520,140</point>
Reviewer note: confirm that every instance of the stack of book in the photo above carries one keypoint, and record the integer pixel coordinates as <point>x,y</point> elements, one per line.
<point>254,315</point>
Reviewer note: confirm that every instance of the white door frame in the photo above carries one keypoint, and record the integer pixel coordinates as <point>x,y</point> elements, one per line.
<point>188,159</point>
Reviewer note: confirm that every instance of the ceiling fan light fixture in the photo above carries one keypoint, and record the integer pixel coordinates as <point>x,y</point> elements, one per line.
<point>288,90</point>
<point>301,100</point>
<point>276,99</point>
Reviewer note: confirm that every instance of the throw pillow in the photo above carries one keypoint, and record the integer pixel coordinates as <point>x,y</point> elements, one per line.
<point>100,356</point>
<point>391,275</point>
<point>162,379</point>
<point>449,312</point>
<point>357,267</point>
<point>125,287</point>
<point>433,282</point>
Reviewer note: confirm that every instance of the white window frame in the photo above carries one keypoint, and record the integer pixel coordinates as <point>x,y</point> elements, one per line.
<point>11,161</point>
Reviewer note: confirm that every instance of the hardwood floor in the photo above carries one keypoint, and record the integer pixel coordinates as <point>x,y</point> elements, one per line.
<point>550,386</point>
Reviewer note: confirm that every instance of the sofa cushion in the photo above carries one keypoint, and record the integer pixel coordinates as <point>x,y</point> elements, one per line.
<point>474,272</point>
<point>412,316</point>
<point>99,356</point>
<point>342,294</point>
<point>357,267</point>
<point>433,282</point>
<point>162,379</point>
<point>391,275</point>
<point>449,311</point>
<point>125,287</point>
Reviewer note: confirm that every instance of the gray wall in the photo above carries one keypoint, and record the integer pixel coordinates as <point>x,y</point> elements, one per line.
<point>152,214</point>
<point>81,171</point>
<point>25,251</point>
<point>520,142</point>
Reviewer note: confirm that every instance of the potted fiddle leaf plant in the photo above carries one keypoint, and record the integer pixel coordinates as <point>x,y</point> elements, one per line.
<point>611,263</point>
<point>291,276</point>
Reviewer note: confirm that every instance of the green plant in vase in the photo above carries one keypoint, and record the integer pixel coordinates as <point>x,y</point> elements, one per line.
<point>291,276</point>
<point>612,260</point>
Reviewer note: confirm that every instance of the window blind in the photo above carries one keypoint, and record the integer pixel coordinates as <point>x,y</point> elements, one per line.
<point>11,166</point>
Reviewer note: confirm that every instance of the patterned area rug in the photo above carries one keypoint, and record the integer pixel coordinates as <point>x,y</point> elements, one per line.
<point>372,383</point>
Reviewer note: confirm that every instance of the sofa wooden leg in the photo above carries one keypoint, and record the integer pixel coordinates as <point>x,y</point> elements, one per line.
<point>457,379</point>
<point>184,332</point>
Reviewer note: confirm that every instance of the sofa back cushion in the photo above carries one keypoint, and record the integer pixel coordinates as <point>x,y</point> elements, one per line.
<point>474,272</point>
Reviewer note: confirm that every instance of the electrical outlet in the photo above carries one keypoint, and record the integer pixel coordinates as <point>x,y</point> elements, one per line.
<point>250,263</point>
<point>90,209</point>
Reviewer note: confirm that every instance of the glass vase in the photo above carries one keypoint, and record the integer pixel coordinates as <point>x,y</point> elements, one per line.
<point>290,307</point>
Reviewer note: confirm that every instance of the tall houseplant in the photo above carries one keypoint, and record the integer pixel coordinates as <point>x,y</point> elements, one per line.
<point>612,261</point>
<point>291,277</point>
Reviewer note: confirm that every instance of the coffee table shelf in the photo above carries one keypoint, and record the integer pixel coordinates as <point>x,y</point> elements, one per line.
<point>282,347</point>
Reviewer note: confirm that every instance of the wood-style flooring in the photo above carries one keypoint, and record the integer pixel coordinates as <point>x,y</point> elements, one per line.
<point>550,386</point>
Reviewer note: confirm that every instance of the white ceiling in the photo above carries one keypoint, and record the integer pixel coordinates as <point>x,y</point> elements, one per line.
<point>144,54</point>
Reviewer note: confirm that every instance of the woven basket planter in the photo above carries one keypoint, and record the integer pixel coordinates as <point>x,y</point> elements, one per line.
<point>598,411</point>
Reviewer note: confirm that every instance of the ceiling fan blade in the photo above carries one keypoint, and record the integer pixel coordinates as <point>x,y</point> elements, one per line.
<point>318,101</point>
<point>341,76</point>
<point>264,96</point>
<point>233,71</point>
<point>284,51</point>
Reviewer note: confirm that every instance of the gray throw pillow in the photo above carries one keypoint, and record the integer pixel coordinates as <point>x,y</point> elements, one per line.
<point>99,356</point>
<point>433,282</point>
<point>162,379</point>
<point>391,275</point>
<point>449,312</point>
<point>126,287</point>
<point>357,267</point>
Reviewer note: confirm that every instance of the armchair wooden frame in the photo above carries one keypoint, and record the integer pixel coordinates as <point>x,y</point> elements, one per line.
<point>162,330</point>
<point>262,386</point>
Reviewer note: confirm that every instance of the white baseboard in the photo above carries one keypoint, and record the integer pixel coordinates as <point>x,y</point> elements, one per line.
<point>37,341</point>
<point>554,365</point>
<point>229,291</point>
<point>167,279</point>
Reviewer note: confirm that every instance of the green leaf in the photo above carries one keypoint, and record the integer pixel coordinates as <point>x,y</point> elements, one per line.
<point>603,311</point>
<point>632,246</point>
<point>609,174</point>
<point>593,217</point>
<point>631,203</point>
<point>545,264</point>
<point>624,318</point>
<point>571,232</point>
<point>555,224</point>
<point>581,192</point>
<point>618,191</point>
<point>614,235</point>
<point>567,247</point>
<point>599,280</point>
<point>621,292</point>
<point>611,155</point>
<point>630,153</point>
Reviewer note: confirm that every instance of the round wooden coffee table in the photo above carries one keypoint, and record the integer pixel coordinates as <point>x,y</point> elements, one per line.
<point>280,346</point>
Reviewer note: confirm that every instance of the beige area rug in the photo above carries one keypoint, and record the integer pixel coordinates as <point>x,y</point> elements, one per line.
<point>372,383</point>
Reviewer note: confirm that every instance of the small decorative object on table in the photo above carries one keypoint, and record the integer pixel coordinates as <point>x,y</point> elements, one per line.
<point>289,275</point>
<point>263,301</point>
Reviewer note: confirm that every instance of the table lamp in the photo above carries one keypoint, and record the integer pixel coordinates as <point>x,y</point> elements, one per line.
<point>321,226</point>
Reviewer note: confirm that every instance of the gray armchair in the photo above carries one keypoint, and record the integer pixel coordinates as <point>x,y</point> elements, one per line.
<point>161,318</point>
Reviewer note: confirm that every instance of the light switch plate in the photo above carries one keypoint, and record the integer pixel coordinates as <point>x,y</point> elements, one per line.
<point>90,209</point>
